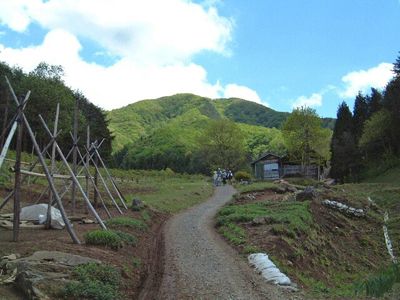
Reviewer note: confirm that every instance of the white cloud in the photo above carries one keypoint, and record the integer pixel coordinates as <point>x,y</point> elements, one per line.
<point>314,100</point>
<point>152,30</point>
<point>362,80</point>
<point>153,40</point>
<point>240,91</point>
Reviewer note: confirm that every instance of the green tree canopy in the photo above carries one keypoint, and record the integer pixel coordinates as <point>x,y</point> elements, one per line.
<point>305,138</point>
<point>222,145</point>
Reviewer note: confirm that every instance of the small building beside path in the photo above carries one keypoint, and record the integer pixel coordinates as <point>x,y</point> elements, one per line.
<point>270,166</point>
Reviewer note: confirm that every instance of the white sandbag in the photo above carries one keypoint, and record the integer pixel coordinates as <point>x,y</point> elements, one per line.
<point>38,213</point>
<point>268,269</point>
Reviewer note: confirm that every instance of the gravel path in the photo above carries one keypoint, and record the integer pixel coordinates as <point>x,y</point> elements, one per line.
<point>200,265</point>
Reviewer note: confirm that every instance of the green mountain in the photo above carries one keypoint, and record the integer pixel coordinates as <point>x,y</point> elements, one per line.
<point>135,120</point>
<point>165,132</point>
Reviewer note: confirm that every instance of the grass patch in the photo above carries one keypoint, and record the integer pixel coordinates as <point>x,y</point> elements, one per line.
<point>109,238</point>
<point>174,193</point>
<point>93,281</point>
<point>381,283</point>
<point>145,215</point>
<point>255,186</point>
<point>126,222</point>
<point>233,233</point>
<point>290,218</point>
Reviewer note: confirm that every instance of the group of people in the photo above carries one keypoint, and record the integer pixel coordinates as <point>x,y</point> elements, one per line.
<point>222,176</point>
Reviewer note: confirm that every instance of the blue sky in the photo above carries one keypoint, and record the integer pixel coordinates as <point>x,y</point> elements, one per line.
<point>280,53</point>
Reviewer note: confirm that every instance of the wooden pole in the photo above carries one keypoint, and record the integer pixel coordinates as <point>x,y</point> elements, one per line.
<point>87,164</point>
<point>5,118</point>
<point>111,179</point>
<point>52,168</point>
<point>105,186</point>
<point>17,167</point>
<point>46,170</point>
<point>96,179</point>
<point>93,211</point>
<point>94,186</point>
<point>74,155</point>
<point>11,194</point>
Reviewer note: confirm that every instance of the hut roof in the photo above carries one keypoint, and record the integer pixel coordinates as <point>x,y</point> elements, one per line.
<point>266,155</point>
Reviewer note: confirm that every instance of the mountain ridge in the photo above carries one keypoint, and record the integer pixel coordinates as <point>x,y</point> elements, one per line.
<point>138,119</point>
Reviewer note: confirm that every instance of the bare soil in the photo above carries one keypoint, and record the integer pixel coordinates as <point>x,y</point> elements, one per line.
<point>136,263</point>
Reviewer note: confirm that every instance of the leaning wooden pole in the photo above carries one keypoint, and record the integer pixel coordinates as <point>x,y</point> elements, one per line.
<point>111,179</point>
<point>17,167</point>
<point>87,164</point>
<point>94,186</point>
<point>105,185</point>
<point>46,170</point>
<point>53,167</point>
<point>11,194</point>
<point>5,118</point>
<point>74,155</point>
<point>73,177</point>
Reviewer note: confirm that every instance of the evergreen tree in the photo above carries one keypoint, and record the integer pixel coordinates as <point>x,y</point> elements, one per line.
<point>360,115</point>
<point>374,101</point>
<point>343,146</point>
<point>391,102</point>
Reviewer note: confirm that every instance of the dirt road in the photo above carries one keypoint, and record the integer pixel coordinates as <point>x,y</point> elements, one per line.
<point>200,265</point>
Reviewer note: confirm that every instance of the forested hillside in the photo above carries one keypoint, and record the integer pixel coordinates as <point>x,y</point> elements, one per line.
<point>47,89</point>
<point>130,122</point>
<point>169,132</point>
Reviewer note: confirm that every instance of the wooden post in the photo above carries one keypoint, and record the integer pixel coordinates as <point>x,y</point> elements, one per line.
<point>96,179</point>
<point>46,170</point>
<point>111,179</point>
<point>17,167</point>
<point>74,155</point>
<point>73,177</point>
<point>5,118</point>
<point>52,168</point>
<point>87,165</point>
<point>11,194</point>
<point>105,186</point>
<point>32,152</point>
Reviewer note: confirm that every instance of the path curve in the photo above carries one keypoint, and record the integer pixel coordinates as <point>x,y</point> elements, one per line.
<point>200,265</point>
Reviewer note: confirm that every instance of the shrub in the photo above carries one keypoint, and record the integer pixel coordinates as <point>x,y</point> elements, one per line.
<point>242,175</point>
<point>127,238</point>
<point>105,238</point>
<point>94,281</point>
<point>126,222</point>
<point>378,285</point>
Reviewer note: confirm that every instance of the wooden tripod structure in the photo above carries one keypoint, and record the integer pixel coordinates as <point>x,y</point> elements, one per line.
<point>19,122</point>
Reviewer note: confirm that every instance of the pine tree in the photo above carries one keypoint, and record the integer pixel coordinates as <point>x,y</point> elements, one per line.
<point>391,102</point>
<point>374,101</point>
<point>343,146</point>
<point>360,115</point>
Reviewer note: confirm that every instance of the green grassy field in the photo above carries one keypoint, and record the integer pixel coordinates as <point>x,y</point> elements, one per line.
<point>163,190</point>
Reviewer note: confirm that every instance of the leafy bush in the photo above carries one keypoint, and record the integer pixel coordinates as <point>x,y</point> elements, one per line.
<point>4,176</point>
<point>242,175</point>
<point>126,222</point>
<point>94,281</point>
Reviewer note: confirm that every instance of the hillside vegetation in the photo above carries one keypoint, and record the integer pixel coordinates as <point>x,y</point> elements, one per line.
<point>166,132</point>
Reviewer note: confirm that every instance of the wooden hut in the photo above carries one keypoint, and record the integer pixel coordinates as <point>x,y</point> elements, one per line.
<point>267,166</point>
<point>270,166</point>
